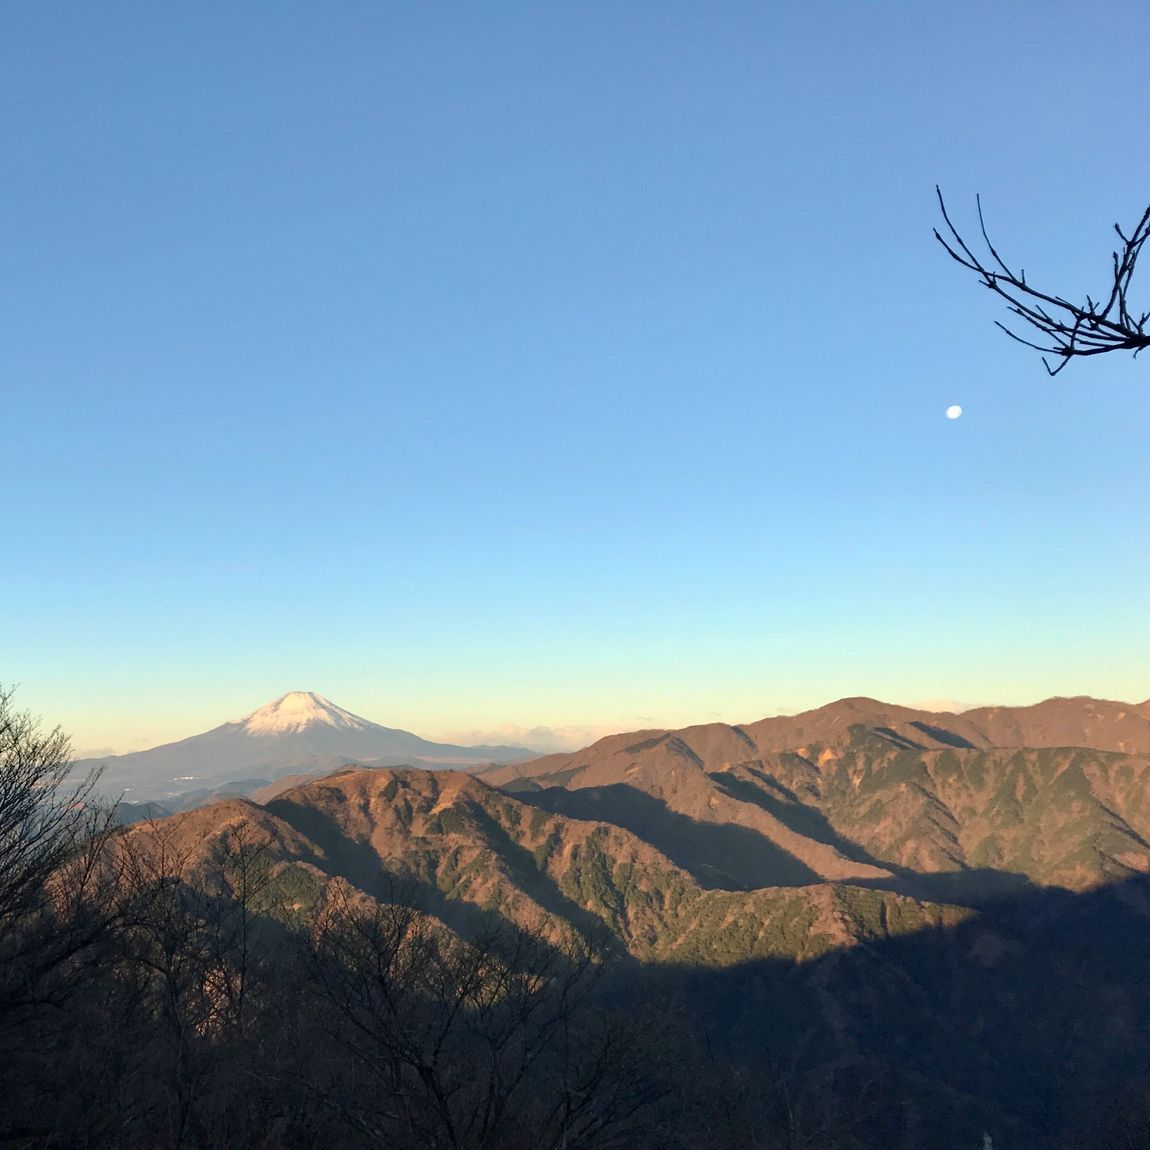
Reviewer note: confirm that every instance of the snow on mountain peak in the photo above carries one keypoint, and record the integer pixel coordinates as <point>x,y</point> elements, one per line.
<point>297,710</point>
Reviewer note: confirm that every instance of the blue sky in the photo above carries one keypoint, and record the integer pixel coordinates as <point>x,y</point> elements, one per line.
<point>492,368</point>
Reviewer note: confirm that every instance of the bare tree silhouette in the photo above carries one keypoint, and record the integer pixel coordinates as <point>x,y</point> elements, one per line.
<point>56,893</point>
<point>1064,330</point>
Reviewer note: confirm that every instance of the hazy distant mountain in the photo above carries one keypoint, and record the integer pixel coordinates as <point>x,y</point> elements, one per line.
<point>301,732</point>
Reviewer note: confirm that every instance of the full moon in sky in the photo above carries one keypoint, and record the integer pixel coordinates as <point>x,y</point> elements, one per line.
<point>954,411</point>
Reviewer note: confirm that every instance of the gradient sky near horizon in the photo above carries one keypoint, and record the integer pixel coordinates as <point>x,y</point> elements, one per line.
<point>498,368</point>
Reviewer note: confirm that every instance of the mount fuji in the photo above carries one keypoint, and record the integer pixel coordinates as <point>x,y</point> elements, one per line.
<point>299,733</point>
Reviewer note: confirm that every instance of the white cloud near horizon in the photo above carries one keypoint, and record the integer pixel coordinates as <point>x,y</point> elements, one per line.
<point>939,706</point>
<point>546,739</point>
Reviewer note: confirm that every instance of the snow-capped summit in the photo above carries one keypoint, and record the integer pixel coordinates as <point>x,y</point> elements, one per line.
<point>301,732</point>
<point>298,710</point>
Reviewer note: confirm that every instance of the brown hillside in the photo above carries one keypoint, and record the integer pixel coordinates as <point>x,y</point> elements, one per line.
<point>863,791</point>
<point>1061,722</point>
<point>465,846</point>
<point>1076,722</point>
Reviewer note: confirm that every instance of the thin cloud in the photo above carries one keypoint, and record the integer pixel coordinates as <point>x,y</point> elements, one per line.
<point>547,740</point>
<point>939,706</point>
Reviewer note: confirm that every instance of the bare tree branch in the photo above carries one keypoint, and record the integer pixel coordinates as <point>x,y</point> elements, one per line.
<point>1065,330</point>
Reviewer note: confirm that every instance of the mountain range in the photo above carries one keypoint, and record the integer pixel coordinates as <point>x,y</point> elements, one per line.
<point>955,809</point>
<point>860,790</point>
<point>923,902</point>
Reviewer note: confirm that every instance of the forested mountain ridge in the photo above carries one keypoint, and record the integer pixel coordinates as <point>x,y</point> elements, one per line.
<point>1080,721</point>
<point>860,791</point>
<point>467,848</point>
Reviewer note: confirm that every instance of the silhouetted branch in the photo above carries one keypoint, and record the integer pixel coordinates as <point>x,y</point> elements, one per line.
<point>1066,330</point>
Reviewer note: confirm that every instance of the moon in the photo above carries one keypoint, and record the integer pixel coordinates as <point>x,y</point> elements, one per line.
<point>953,411</point>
